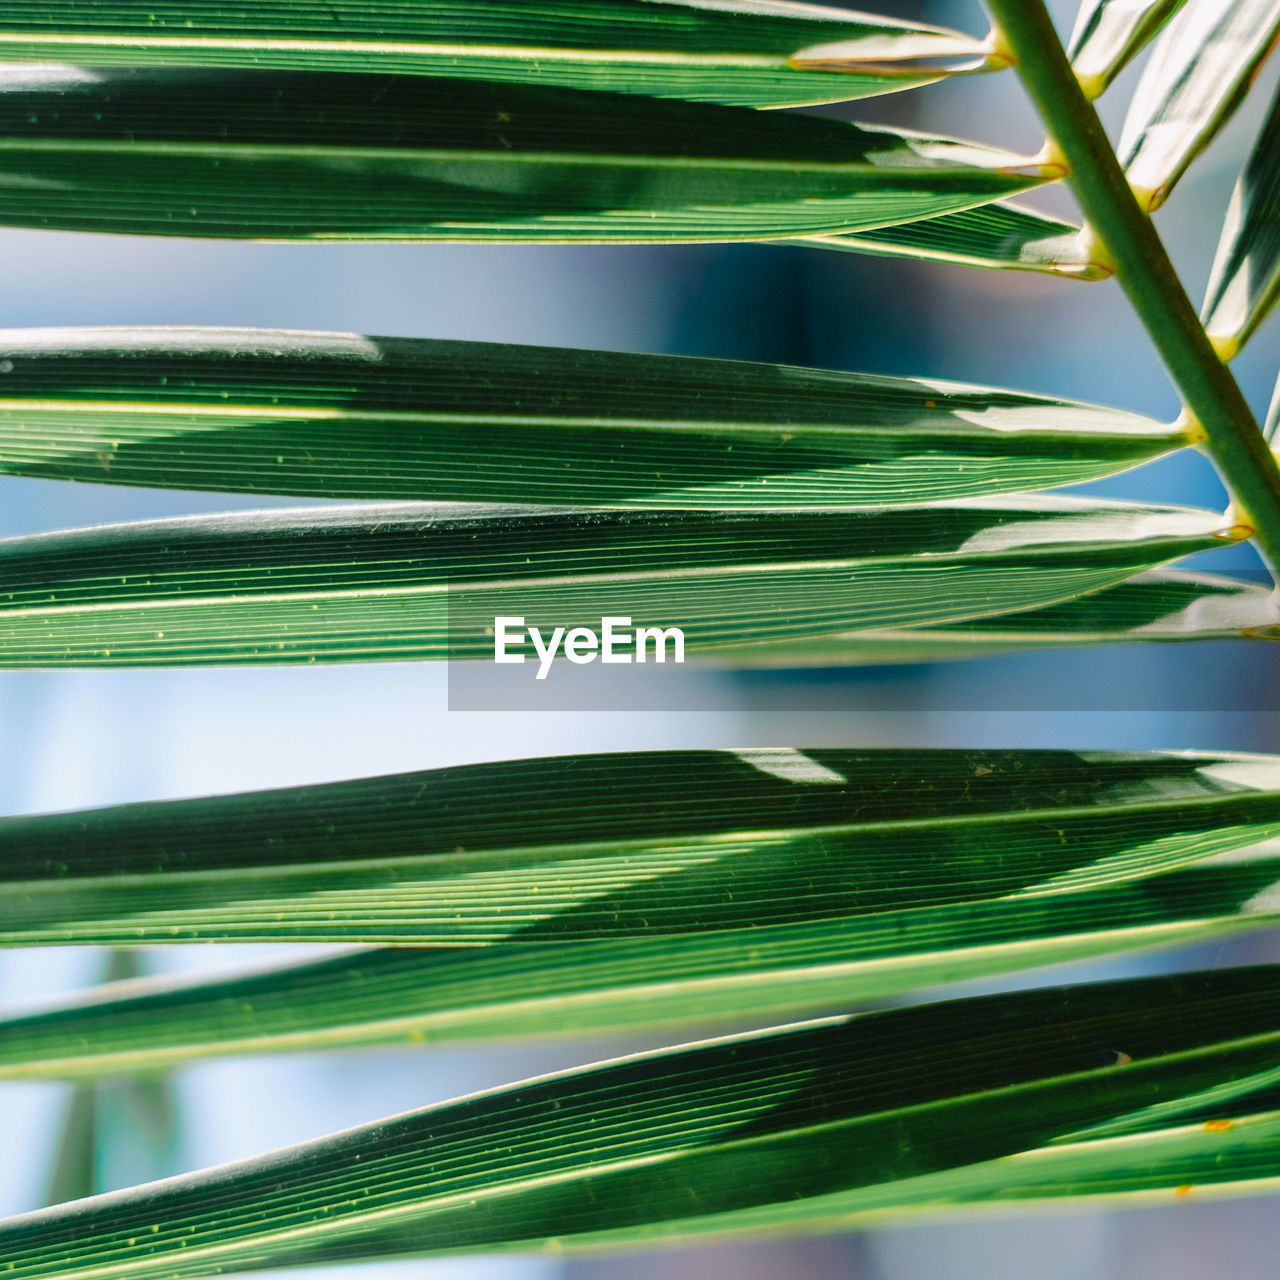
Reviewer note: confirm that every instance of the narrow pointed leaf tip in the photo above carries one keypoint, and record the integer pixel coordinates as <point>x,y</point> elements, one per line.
<point>412,581</point>
<point>345,416</point>
<point>732,51</point>
<point>936,1107</point>
<point>304,155</point>
<point>593,893</point>
<point>1201,67</point>
<point>1245,281</point>
<point>1108,34</point>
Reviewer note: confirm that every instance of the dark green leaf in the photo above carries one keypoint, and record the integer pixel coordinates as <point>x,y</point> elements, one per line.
<point>398,995</point>
<point>383,581</point>
<point>1223,1156</point>
<point>342,416</point>
<point>1109,33</point>
<point>301,155</point>
<point>869,1114</point>
<point>730,51</point>
<point>1151,608</point>
<point>889,850</point>
<point>1200,68</point>
<point>1245,281</point>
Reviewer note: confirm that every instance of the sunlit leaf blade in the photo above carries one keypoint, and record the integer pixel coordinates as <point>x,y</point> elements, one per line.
<point>1154,607</point>
<point>891,849</point>
<point>328,155</point>
<point>1245,281</point>
<point>1220,1157</point>
<point>344,416</point>
<point>1271,428</point>
<point>399,995</point>
<point>996,236</point>
<point>1200,68</point>
<point>412,580</point>
<point>1109,33</point>
<point>674,1142</point>
<point>733,51</point>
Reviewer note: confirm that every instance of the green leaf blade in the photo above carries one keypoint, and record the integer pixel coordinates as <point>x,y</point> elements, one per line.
<point>408,580</point>
<point>316,155</point>
<point>737,53</point>
<point>346,416</point>
<point>1231,1158</point>
<point>1108,34</point>
<point>1245,281</point>
<point>1200,68</point>
<point>607,848</point>
<point>875,1110</point>
<point>1160,607</point>
<point>403,995</point>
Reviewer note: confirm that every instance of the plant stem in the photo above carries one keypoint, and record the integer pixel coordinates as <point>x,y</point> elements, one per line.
<point>1142,266</point>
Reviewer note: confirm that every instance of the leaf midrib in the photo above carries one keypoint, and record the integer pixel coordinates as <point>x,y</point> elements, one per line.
<point>1118,424</point>
<point>927,172</point>
<point>454,587</point>
<point>547,852</point>
<point>425,1207</point>
<point>296,45</point>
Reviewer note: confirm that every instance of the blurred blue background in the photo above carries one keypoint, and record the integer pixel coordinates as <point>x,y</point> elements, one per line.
<point>94,737</point>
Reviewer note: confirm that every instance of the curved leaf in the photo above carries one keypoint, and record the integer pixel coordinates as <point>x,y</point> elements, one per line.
<point>876,1109</point>
<point>996,236</point>
<point>892,845</point>
<point>1200,68</point>
<point>444,995</point>
<point>1221,1157</point>
<point>1109,33</point>
<point>1151,608</point>
<point>729,51</point>
<point>408,580</point>
<point>1245,282</point>
<point>344,416</point>
<point>330,155</point>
